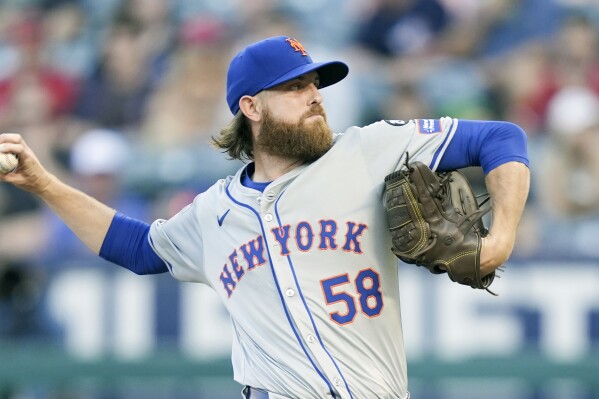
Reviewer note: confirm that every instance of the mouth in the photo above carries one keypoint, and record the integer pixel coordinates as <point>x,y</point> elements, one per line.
<point>314,115</point>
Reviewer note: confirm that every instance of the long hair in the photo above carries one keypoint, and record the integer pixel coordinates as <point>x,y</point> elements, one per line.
<point>236,139</point>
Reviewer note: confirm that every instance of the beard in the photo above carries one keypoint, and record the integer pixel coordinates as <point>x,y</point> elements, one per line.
<point>302,141</point>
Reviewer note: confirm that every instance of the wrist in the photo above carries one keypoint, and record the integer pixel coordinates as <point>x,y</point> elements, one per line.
<point>43,186</point>
<point>496,249</point>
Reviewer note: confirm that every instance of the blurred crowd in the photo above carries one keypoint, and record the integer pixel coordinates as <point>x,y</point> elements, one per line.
<point>121,97</point>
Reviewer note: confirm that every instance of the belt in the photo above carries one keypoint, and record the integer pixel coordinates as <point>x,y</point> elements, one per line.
<point>257,393</point>
<point>254,393</point>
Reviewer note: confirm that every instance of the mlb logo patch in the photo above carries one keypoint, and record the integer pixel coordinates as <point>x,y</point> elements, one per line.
<point>429,126</point>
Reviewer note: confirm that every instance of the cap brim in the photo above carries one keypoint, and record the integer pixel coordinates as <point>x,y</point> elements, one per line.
<point>329,73</point>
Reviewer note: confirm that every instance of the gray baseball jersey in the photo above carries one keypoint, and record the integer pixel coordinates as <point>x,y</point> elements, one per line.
<point>305,268</point>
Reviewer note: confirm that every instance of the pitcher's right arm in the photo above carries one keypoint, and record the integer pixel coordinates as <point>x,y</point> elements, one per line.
<point>88,218</point>
<point>113,236</point>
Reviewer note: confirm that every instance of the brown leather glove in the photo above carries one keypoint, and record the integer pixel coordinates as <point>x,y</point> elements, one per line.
<point>435,222</point>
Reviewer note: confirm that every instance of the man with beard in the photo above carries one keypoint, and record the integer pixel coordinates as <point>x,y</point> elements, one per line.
<point>296,243</point>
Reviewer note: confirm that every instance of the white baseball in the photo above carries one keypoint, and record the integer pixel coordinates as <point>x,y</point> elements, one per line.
<point>8,162</point>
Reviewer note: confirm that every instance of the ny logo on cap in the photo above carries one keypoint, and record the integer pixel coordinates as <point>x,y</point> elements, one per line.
<point>297,46</point>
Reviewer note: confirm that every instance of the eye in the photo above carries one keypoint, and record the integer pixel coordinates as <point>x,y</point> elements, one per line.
<point>295,86</point>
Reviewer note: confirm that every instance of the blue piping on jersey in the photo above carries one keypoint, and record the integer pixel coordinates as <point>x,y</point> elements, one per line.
<point>331,390</point>
<point>452,128</point>
<point>306,305</point>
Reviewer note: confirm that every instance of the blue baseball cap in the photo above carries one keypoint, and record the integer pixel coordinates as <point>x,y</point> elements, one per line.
<point>272,61</point>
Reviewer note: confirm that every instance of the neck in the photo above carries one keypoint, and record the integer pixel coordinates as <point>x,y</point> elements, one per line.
<point>270,167</point>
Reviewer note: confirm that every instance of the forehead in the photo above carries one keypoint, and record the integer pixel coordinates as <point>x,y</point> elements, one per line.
<point>307,77</point>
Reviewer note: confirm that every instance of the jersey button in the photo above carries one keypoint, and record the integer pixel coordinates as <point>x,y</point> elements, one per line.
<point>337,382</point>
<point>290,292</point>
<point>268,217</point>
<point>259,200</point>
<point>310,338</point>
<point>270,196</point>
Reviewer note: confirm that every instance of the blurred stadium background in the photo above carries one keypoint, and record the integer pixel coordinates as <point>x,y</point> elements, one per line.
<point>120,98</point>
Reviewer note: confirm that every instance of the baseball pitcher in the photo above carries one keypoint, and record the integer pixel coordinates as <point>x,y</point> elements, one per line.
<point>302,243</point>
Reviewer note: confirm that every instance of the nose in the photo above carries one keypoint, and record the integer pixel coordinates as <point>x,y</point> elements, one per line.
<point>315,97</point>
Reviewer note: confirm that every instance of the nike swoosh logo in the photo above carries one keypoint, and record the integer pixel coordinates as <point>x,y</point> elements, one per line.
<point>222,218</point>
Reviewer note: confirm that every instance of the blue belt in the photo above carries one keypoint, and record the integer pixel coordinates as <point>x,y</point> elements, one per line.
<point>254,393</point>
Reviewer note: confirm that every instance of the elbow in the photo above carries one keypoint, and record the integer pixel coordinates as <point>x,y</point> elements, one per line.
<point>519,133</point>
<point>518,143</point>
<point>508,144</point>
<point>515,135</point>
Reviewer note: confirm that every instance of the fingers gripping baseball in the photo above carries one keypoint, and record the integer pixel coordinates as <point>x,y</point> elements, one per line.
<point>28,174</point>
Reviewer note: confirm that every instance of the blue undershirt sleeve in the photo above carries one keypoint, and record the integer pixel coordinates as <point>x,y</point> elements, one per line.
<point>488,144</point>
<point>126,244</point>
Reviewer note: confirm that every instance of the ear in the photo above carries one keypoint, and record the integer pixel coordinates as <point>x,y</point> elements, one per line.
<point>250,106</point>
